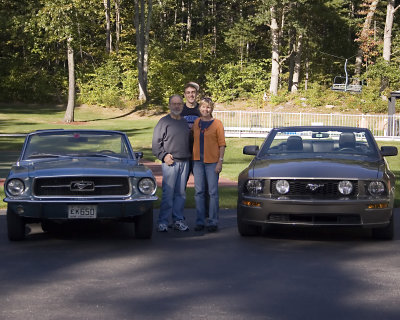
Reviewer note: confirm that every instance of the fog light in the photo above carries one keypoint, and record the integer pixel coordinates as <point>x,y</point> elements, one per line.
<point>251,203</point>
<point>20,210</point>
<point>378,206</point>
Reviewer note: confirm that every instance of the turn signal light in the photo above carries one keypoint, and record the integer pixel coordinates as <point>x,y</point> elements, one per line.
<point>251,203</point>
<point>378,206</point>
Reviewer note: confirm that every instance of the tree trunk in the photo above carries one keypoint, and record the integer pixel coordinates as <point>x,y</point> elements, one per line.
<point>273,88</point>
<point>142,26</point>
<point>182,23</point>
<point>117,24</point>
<point>364,35</point>
<point>297,64</point>
<point>387,37</point>
<point>69,113</point>
<point>189,22</point>
<point>214,14</point>
<point>108,25</point>
<point>292,49</point>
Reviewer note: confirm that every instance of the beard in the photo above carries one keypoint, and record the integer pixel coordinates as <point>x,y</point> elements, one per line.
<point>176,112</point>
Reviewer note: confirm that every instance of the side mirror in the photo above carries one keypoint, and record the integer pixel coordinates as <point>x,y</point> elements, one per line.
<point>388,151</point>
<point>250,150</point>
<point>139,155</point>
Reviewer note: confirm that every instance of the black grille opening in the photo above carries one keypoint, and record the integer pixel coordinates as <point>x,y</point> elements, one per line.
<point>314,188</point>
<point>315,218</point>
<point>82,186</point>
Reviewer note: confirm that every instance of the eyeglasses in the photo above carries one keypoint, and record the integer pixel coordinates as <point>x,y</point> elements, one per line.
<point>206,99</point>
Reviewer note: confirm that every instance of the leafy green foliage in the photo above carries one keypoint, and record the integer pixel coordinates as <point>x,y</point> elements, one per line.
<point>233,80</point>
<point>104,86</point>
<point>225,48</point>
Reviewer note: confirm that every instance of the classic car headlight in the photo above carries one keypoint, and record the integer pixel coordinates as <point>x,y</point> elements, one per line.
<point>376,188</point>
<point>15,187</point>
<point>282,186</point>
<point>345,187</point>
<point>147,186</point>
<point>254,186</point>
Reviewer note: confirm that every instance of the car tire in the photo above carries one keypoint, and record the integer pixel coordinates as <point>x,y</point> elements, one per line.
<point>144,225</point>
<point>15,226</point>
<point>385,233</point>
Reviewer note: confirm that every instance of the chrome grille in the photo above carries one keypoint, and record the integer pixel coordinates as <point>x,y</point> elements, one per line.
<point>323,188</point>
<point>81,186</point>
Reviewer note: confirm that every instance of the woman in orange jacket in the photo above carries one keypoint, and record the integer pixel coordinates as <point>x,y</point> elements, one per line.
<point>208,156</point>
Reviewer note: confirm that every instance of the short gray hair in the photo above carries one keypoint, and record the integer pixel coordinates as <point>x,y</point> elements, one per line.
<point>175,96</point>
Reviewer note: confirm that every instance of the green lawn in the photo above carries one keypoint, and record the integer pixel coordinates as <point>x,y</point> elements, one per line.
<point>24,119</point>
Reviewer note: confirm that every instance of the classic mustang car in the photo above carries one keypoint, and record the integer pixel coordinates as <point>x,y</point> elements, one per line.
<point>76,175</point>
<point>317,176</point>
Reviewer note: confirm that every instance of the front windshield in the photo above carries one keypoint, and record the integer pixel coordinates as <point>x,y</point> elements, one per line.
<point>77,144</point>
<point>320,142</point>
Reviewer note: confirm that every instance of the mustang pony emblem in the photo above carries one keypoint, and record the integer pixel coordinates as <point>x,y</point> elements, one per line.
<point>82,186</point>
<point>313,186</point>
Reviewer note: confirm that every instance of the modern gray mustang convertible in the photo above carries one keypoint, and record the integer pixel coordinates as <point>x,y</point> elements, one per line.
<point>76,175</point>
<point>317,176</point>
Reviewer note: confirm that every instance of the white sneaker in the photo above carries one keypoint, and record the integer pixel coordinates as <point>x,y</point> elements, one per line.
<point>162,227</point>
<point>180,226</point>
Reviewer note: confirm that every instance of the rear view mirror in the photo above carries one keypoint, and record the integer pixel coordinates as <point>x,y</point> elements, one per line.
<point>250,150</point>
<point>320,135</point>
<point>139,155</point>
<point>388,151</point>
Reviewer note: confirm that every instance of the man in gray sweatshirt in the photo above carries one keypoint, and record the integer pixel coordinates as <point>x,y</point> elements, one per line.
<point>171,145</point>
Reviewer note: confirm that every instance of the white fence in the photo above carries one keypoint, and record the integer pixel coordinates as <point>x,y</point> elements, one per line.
<point>258,124</point>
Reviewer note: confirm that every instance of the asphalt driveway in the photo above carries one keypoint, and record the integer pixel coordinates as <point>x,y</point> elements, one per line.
<point>101,272</point>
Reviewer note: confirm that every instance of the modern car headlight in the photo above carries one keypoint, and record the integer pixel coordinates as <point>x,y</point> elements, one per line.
<point>254,186</point>
<point>15,187</point>
<point>345,187</point>
<point>147,186</point>
<point>376,188</point>
<point>282,186</point>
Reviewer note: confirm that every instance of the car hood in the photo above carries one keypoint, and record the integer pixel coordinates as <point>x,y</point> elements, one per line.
<point>312,168</point>
<point>82,166</point>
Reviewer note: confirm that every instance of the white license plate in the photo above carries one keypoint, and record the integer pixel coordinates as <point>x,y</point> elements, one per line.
<point>82,212</point>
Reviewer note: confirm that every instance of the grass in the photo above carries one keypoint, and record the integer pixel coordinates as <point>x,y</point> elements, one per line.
<point>25,119</point>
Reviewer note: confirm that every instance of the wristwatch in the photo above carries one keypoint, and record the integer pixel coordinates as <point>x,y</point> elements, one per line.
<point>221,159</point>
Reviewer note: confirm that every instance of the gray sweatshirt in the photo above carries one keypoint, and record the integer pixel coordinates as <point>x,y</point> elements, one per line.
<point>171,136</point>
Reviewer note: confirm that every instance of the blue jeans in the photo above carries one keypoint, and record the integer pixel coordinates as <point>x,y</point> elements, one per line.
<point>204,174</point>
<point>173,191</point>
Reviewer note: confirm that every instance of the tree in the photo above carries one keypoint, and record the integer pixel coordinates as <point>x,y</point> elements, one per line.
<point>108,25</point>
<point>69,113</point>
<point>297,62</point>
<point>387,36</point>
<point>364,36</point>
<point>143,11</point>
<point>58,19</point>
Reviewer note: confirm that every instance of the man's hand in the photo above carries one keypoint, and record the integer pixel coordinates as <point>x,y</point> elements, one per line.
<point>169,159</point>
<point>218,167</point>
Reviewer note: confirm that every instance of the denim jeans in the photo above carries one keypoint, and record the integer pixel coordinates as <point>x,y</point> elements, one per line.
<point>204,174</point>
<point>173,191</point>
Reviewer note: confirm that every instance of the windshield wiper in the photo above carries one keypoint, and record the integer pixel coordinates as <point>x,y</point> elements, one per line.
<point>46,155</point>
<point>102,155</point>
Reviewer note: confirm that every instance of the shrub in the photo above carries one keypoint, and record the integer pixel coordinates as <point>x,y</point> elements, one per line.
<point>104,87</point>
<point>232,81</point>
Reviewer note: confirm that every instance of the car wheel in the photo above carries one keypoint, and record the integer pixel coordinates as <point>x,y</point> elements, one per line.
<point>144,225</point>
<point>385,233</point>
<point>15,226</point>
<point>247,230</point>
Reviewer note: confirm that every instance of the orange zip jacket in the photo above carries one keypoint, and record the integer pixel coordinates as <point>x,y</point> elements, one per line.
<point>214,137</point>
